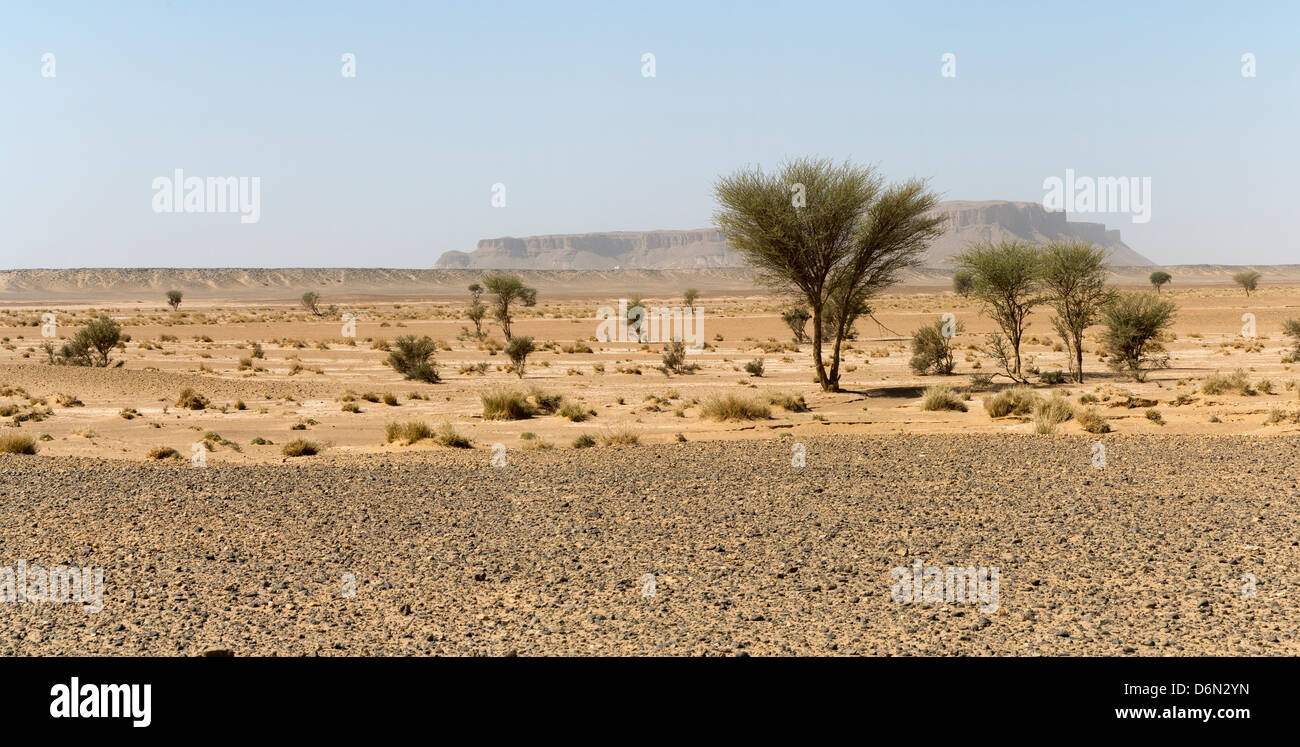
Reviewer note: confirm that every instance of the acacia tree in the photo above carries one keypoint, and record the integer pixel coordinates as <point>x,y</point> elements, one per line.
<point>1248,280</point>
<point>1073,275</point>
<point>508,290</point>
<point>1134,323</point>
<point>833,236</point>
<point>961,281</point>
<point>796,318</point>
<point>1004,278</point>
<point>174,299</point>
<point>1159,278</point>
<point>476,310</point>
<point>690,296</point>
<point>311,302</point>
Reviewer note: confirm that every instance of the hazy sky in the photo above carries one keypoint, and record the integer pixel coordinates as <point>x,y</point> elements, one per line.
<point>396,165</point>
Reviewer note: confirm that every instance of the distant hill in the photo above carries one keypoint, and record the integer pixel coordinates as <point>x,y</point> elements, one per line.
<point>657,250</point>
<point>147,286</point>
<point>998,220</point>
<point>702,248</point>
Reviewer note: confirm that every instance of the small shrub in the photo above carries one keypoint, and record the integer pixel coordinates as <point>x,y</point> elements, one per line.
<point>1091,420</point>
<point>546,403</point>
<point>413,358</point>
<point>163,452</point>
<point>1017,400</point>
<point>788,402</point>
<point>17,443</point>
<point>191,400</point>
<point>447,436</point>
<point>754,367</point>
<point>518,349</point>
<point>1049,413</point>
<point>942,398</point>
<point>585,441</point>
<point>932,352</point>
<point>620,437</point>
<point>1237,383</point>
<point>1154,416</point>
<point>506,404</point>
<point>575,412</point>
<point>1052,378</point>
<point>734,407</point>
<point>300,447</point>
<point>408,432</point>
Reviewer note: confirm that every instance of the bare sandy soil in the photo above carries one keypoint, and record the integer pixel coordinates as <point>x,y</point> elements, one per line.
<point>547,554</point>
<point>310,370</point>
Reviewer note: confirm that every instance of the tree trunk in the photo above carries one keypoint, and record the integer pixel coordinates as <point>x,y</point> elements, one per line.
<point>817,350</point>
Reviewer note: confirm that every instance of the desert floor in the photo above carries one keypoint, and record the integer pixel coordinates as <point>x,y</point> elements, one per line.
<point>524,543</point>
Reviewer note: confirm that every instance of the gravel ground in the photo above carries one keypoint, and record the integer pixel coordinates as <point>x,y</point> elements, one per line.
<point>750,555</point>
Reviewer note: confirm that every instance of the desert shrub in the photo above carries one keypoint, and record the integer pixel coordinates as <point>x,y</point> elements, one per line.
<point>585,441</point>
<point>734,407</point>
<point>506,404</point>
<point>1052,378</point>
<point>789,402</point>
<point>259,441</point>
<point>91,345</point>
<point>300,447</point>
<point>474,369</point>
<point>239,405</point>
<point>191,400</point>
<point>1091,420</point>
<point>352,407</point>
<point>449,437</point>
<point>17,443</point>
<point>1237,382</point>
<point>1133,323</point>
<point>69,400</point>
<point>1154,416</point>
<point>412,357</point>
<point>1018,400</point>
<point>390,399</point>
<point>370,397</point>
<point>942,398</point>
<point>546,403</point>
<point>518,350</point>
<point>754,367</point>
<point>674,358</point>
<point>129,413</point>
<point>981,381</point>
<point>576,347</point>
<point>1291,328</point>
<point>408,432</point>
<point>163,452</point>
<point>620,437</point>
<point>1056,408</point>
<point>575,412</point>
<point>932,352</point>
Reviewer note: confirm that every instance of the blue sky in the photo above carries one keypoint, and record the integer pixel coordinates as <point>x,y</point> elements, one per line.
<point>396,165</point>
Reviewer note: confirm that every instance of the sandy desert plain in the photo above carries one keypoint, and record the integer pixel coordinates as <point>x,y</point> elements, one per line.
<point>1187,540</point>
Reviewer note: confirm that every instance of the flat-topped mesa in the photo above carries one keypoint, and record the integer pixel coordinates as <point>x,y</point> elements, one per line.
<point>969,222</point>
<point>661,250</point>
<point>999,220</point>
